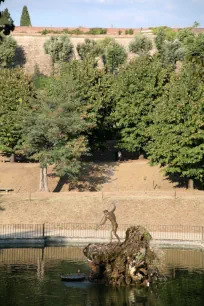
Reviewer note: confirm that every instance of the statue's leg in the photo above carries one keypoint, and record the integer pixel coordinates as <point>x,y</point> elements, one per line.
<point>115,232</point>
<point>111,236</point>
<point>116,235</point>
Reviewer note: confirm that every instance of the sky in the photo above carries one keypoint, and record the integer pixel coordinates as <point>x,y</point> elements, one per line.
<point>109,13</point>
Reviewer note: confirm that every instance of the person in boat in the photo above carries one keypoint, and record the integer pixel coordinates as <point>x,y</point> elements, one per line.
<point>110,215</point>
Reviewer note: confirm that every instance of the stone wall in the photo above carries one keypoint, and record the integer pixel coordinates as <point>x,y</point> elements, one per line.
<point>31,46</point>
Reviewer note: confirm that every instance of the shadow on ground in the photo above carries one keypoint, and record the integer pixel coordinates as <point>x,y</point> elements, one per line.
<point>92,177</point>
<point>180,182</point>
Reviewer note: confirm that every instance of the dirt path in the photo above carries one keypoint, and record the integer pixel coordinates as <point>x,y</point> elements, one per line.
<point>142,194</point>
<point>132,208</point>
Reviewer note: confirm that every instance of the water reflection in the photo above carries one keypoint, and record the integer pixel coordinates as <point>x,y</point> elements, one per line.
<point>32,277</point>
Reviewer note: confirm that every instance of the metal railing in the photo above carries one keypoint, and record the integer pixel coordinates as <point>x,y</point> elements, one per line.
<point>90,231</point>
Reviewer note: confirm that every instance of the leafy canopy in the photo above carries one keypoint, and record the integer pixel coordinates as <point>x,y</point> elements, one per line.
<point>88,49</point>
<point>137,89</point>
<point>5,18</point>
<point>16,92</point>
<point>140,45</point>
<point>178,130</point>
<point>53,131</point>
<point>5,28</point>
<point>94,89</point>
<point>8,47</point>
<point>59,48</point>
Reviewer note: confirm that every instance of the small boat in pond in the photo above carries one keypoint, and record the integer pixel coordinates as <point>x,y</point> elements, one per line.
<point>76,277</point>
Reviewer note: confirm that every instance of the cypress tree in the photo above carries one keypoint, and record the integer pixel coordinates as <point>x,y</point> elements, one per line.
<point>5,28</point>
<point>25,18</point>
<point>5,18</point>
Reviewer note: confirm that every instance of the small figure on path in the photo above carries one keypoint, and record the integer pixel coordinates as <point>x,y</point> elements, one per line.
<point>119,156</point>
<point>109,215</point>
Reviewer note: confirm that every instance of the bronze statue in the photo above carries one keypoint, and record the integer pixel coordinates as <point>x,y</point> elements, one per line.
<point>109,215</point>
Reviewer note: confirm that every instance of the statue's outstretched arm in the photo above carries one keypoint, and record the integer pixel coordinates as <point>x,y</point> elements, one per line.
<point>103,221</point>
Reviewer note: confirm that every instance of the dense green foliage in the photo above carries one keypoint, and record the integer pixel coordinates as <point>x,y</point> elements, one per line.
<point>113,56</point>
<point>59,48</point>
<point>5,29</point>
<point>162,34</point>
<point>129,32</point>
<point>112,53</point>
<point>53,131</point>
<point>94,89</point>
<point>140,45</point>
<point>16,93</point>
<point>177,46</point>
<point>178,130</point>
<point>171,52</point>
<point>88,49</point>
<point>6,18</point>
<point>137,90</point>
<point>25,18</point>
<point>8,47</point>
<point>146,105</point>
<point>195,49</point>
<point>97,31</point>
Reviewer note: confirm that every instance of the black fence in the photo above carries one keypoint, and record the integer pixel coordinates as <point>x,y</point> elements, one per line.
<point>92,231</point>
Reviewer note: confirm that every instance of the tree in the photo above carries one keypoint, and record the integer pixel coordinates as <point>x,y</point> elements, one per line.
<point>88,49</point>
<point>195,49</point>
<point>114,55</point>
<point>140,45</point>
<point>196,24</point>
<point>16,92</point>
<point>186,36</point>
<point>6,18</point>
<point>25,18</point>
<point>162,34</point>
<point>178,130</point>
<point>59,48</point>
<point>137,89</point>
<point>53,132</point>
<point>94,89</point>
<point>5,29</point>
<point>171,52</point>
<point>8,47</point>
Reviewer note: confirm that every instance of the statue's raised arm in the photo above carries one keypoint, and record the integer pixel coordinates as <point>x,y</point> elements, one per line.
<point>114,207</point>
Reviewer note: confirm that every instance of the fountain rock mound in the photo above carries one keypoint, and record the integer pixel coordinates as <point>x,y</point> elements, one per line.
<point>133,262</point>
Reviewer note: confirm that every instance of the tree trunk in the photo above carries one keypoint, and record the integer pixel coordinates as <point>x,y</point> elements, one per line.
<point>12,159</point>
<point>43,179</point>
<point>190,184</point>
<point>141,157</point>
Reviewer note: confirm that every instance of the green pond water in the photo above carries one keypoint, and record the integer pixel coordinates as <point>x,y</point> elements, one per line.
<point>31,277</point>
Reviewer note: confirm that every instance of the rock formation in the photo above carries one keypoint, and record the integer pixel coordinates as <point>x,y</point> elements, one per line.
<point>132,262</point>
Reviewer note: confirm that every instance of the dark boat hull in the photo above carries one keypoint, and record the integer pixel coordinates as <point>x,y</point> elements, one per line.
<point>73,277</point>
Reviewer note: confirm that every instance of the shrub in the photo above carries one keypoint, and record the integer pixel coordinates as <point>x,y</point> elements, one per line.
<point>114,55</point>
<point>129,32</point>
<point>44,32</point>
<point>8,47</point>
<point>140,45</point>
<point>59,48</point>
<point>89,48</point>
<point>76,32</point>
<point>97,31</point>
